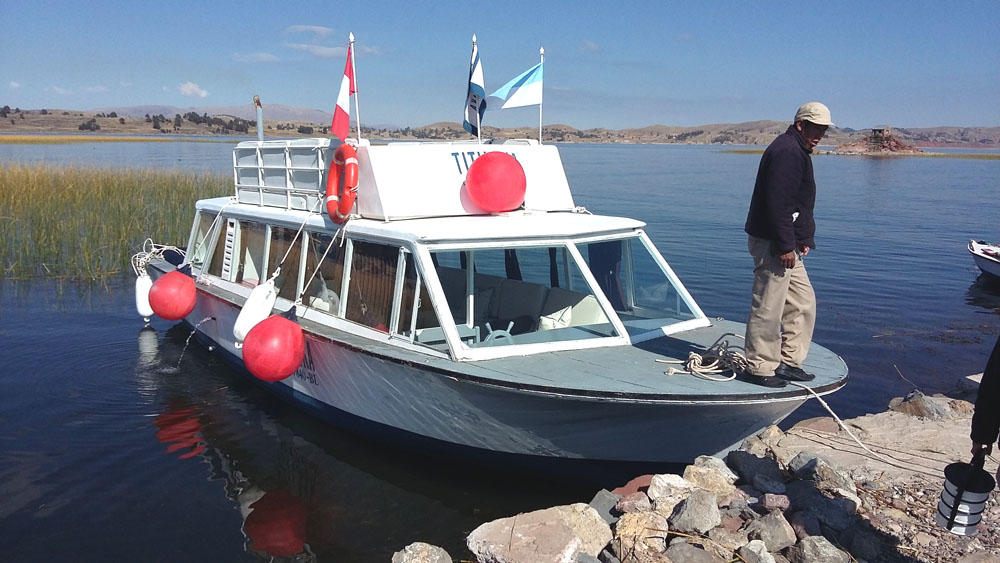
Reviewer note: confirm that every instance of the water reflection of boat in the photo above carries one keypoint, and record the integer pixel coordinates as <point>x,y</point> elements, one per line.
<point>987,257</point>
<point>305,493</point>
<point>985,292</point>
<point>437,317</point>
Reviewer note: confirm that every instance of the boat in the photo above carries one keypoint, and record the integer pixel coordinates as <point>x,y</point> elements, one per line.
<point>987,257</point>
<point>461,301</point>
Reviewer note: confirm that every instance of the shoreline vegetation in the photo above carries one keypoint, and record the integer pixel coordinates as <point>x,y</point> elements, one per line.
<point>78,223</point>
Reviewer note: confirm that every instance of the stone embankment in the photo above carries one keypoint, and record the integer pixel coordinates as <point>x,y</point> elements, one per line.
<point>809,495</point>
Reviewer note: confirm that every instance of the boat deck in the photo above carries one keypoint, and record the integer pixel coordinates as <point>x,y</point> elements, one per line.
<point>610,373</point>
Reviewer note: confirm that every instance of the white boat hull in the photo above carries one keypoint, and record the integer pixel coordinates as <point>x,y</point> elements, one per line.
<point>411,401</point>
<point>987,257</point>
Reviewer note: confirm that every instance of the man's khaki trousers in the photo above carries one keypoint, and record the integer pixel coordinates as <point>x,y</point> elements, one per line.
<point>782,313</point>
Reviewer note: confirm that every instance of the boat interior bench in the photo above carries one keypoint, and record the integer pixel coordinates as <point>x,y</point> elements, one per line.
<point>515,306</point>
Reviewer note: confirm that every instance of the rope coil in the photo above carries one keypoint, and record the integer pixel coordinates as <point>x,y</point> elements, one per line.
<point>720,357</point>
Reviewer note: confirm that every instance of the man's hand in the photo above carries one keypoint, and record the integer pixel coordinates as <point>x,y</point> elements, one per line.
<point>788,259</point>
<point>976,448</point>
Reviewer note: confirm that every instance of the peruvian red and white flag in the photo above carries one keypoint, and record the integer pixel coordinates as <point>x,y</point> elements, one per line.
<point>342,115</point>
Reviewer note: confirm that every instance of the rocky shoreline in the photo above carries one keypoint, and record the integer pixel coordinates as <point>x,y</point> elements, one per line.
<point>811,494</point>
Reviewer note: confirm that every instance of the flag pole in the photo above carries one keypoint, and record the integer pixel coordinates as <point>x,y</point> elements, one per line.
<point>479,118</point>
<point>354,71</point>
<point>541,56</point>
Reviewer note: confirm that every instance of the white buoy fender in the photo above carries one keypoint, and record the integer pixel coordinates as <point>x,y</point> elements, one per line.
<point>142,285</point>
<point>257,308</point>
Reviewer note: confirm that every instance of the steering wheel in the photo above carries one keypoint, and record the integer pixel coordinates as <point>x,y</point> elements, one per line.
<point>499,334</point>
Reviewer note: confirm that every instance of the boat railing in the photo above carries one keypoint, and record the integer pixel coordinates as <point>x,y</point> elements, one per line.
<point>288,174</point>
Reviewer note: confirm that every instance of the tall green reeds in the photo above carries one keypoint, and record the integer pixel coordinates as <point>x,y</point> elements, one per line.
<point>86,223</point>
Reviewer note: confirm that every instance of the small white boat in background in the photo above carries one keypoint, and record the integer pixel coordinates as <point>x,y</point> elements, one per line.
<point>987,256</point>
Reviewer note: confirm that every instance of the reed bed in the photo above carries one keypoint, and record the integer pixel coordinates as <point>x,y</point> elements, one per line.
<point>85,223</point>
<point>66,139</point>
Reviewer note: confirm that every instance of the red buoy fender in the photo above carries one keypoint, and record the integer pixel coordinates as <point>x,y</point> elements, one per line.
<point>274,348</point>
<point>342,183</point>
<point>173,296</point>
<point>496,182</point>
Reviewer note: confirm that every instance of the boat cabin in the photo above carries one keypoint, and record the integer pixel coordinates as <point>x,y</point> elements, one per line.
<point>422,268</point>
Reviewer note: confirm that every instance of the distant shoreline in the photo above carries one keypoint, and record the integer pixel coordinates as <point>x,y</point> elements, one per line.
<point>68,137</point>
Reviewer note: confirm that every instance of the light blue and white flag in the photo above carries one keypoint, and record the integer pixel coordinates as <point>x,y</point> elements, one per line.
<point>475,100</point>
<point>525,90</point>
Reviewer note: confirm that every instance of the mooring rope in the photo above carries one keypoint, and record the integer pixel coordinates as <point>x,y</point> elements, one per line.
<point>718,358</point>
<point>151,251</point>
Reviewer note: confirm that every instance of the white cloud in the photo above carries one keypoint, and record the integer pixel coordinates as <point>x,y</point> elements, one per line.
<point>317,29</point>
<point>125,84</point>
<point>58,90</point>
<point>14,85</point>
<point>590,46</point>
<point>192,89</point>
<point>319,50</point>
<point>255,57</point>
<point>95,89</point>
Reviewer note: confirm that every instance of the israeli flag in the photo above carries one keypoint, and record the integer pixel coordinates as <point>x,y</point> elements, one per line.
<point>475,101</point>
<point>525,90</point>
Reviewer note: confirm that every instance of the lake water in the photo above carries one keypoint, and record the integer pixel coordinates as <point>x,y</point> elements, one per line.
<point>123,443</point>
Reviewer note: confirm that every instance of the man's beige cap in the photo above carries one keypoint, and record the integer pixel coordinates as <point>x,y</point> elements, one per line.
<point>814,112</point>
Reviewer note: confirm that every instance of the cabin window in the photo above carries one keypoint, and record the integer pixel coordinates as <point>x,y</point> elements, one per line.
<point>220,262</point>
<point>250,249</point>
<point>323,292</point>
<point>372,284</point>
<point>285,246</point>
<point>519,295</point>
<point>643,293</point>
<point>200,241</point>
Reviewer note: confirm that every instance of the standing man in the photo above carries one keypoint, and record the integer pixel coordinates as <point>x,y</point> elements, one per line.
<point>780,226</point>
<point>986,418</point>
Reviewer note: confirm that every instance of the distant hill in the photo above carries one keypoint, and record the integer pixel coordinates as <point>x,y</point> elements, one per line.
<point>289,121</point>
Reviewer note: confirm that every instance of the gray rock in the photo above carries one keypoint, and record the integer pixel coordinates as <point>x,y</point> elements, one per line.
<point>604,503</point>
<point>635,502</point>
<point>716,464</point>
<point>766,484</point>
<point>816,549</point>
<point>773,530</point>
<point>543,536</point>
<point>667,490</point>
<point>805,524</point>
<point>746,465</point>
<point>807,465</point>
<point>639,536</point>
<point>685,552</point>
<point>586,558</point>
<point>419,552</point>
<point>697,514</point>
<point>775,502</point>
<point>731,541</point>
<point>920,405</point>
<point>607,557</point>
<point>755,552</point>
<point>710,479</point>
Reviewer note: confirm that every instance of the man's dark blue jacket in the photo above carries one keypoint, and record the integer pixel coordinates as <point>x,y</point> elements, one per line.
<point>785,185</point>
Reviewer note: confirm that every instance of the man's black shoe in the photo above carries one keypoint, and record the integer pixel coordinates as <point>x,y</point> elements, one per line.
<point>792,373</point>
<point>764,380</point>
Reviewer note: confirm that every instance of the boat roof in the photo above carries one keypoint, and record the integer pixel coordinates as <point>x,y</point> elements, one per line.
<point>517,225</point>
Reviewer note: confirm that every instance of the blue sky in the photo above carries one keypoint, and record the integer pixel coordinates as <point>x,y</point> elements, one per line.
<point>608,64</point>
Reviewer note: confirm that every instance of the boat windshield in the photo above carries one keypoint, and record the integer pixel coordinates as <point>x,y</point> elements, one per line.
<point>519,295</point>
<point>644,292</point>
<point>533,294</point>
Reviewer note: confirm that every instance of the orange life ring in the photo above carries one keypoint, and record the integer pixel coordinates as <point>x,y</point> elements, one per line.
<point>340,193</point>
